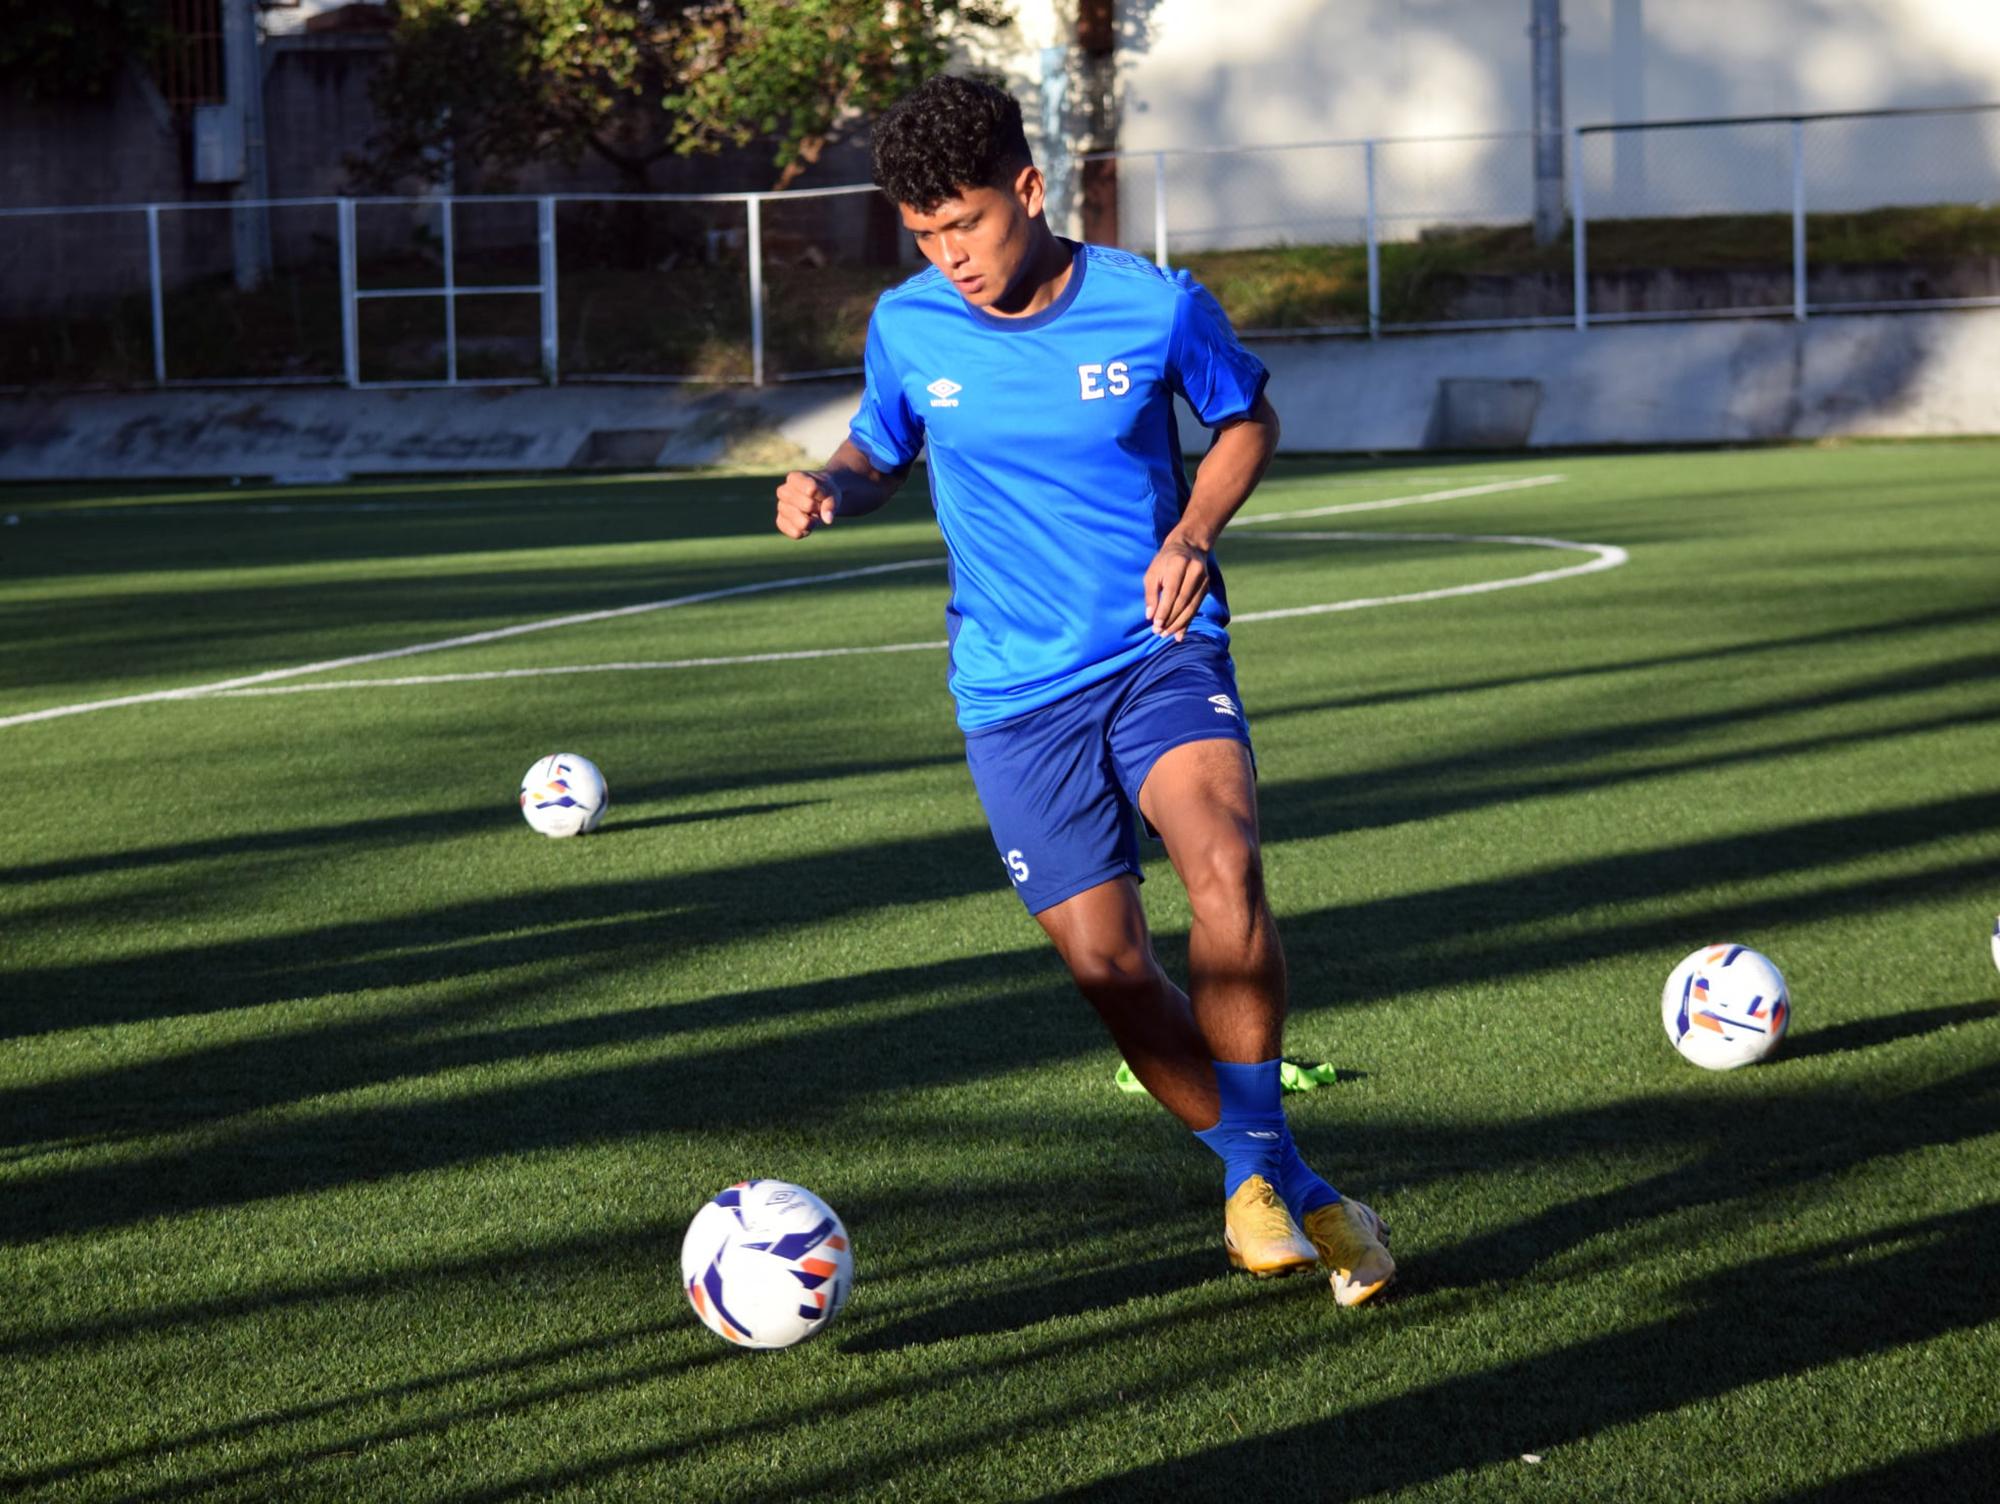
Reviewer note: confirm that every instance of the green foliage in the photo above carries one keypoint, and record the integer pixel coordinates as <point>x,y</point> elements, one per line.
<point>73,50</point>
<point>488,86</point>
<point>795,72</point>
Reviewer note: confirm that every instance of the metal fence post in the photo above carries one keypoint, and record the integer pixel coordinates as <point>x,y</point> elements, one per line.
<point>1579,260</point>
<point>450,300</point>
<point>1374,247</point>
<point>159,295</point>
<point>545,237</point>
<point>755,245</point>
<point>1799,220</point>
<point>1159,209</point>
<point>350,335</point>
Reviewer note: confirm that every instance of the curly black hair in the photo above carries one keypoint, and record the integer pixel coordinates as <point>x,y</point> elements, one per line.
<point>947,134</point>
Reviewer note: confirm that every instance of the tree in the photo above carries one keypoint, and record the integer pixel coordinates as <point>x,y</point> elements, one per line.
<point>796,72</point>
<point>73,51</point>
<point>483,87</point>
<point>488,86</point>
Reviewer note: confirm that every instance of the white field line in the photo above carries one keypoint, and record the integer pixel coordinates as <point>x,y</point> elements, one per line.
<point>1387,503</point>
<point>1604,556</point>
<point>230,687</point>
<point>470,639</point>
<point>579,668</point>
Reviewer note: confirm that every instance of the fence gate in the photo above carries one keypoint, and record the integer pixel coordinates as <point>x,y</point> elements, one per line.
<point>448,291</point>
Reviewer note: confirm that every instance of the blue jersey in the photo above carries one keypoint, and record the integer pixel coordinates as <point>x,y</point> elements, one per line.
<point>1055,469</point>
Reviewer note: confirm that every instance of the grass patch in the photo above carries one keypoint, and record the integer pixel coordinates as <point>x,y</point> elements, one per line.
<point>348,1129</point>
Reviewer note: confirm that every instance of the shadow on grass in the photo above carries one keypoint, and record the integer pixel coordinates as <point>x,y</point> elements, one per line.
<point>435,825</point>
<point>397,1395</point>
<point>1968,1470</point>
<point>946,1035</point>
<point>1010,1309</point>
<point>1767,1320</point>
<point>1867,1033</point>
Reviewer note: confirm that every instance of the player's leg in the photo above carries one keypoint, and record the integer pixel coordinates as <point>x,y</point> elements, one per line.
<point>1064,830</point>
<point>1183,744</point>
<point>1102,938</point>
<point>1201,797</point>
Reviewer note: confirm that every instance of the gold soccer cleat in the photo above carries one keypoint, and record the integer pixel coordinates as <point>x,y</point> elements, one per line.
<point>1353,1244</point>
<point>1260,1234</point>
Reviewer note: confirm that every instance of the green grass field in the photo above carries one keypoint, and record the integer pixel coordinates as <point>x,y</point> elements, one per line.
<point>350,1128</point>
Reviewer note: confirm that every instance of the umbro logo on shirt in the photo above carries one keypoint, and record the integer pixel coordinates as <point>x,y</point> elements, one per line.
<point>1223,705</point>
<point>944,392</point>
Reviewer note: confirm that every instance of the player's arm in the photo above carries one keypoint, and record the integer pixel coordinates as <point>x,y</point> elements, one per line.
<point>848,486</point>
<point>1177,579</point>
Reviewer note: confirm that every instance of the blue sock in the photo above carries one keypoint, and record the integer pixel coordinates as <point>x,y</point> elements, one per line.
<point>1302,1190</point>
<point>1250,1136</point>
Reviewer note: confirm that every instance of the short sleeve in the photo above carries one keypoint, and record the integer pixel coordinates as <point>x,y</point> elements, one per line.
<point>885,428</point>
<point>1207,363</point>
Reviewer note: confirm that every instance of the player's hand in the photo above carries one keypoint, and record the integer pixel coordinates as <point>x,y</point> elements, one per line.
<point>1176,585</point>
<point>805,501</point>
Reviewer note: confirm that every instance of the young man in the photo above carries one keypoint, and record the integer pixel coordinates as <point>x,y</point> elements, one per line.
<point>1089,660</point>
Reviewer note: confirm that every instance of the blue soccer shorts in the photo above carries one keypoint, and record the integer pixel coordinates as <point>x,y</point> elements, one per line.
<point>1060,785</point>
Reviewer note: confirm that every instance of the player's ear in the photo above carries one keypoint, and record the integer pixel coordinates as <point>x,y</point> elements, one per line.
<point>1030,189</point>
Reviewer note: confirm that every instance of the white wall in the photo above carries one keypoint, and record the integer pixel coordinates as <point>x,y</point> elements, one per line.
<point>1200,73</point>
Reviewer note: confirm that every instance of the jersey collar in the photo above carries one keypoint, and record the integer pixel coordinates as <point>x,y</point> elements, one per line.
<point>1077,262</point>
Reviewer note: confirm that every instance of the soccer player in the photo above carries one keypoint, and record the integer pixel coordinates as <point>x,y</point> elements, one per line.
<point>1089,660</point>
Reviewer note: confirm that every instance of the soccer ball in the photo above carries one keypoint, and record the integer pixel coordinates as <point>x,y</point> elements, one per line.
<point>1725,1006</point>
<point>1996,942</point>
<point>766,1264</point>
<point>564,795</point>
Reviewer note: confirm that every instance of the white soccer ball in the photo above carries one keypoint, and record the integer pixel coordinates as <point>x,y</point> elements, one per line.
<point>766,1264</point>
<point>1996,942</point>
<point>1725,1006</point>
<point>564,795</point>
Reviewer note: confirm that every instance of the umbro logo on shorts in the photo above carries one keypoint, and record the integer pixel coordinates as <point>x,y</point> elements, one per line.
<point>1223,705</point>
<point>944,392</point>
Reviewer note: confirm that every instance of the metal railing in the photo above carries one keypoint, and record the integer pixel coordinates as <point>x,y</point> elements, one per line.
<point>1668,219</point>
<point>376,292</point>
<point>1791,216</point>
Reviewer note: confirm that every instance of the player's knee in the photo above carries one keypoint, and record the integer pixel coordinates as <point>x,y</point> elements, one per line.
<point>1102,970</point>
<point>1225,884</point>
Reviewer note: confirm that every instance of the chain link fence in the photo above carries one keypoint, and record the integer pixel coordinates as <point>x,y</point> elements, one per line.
<point>1689,219</point>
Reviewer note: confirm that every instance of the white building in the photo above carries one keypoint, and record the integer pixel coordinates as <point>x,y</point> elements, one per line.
<point>1199,74</point>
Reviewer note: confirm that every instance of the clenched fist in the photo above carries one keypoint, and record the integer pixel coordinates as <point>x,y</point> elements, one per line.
<point>805,501</point>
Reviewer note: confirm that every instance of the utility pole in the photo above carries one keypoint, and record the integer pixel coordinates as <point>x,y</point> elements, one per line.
<point>243,70</point>
<point>1547,33</point>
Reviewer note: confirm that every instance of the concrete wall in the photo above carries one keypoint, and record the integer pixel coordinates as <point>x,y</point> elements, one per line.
<point>1725,381</point>
<point>1641,384</point>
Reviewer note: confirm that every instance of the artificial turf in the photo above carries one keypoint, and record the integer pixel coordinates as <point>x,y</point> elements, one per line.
<point>350,1128</point>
